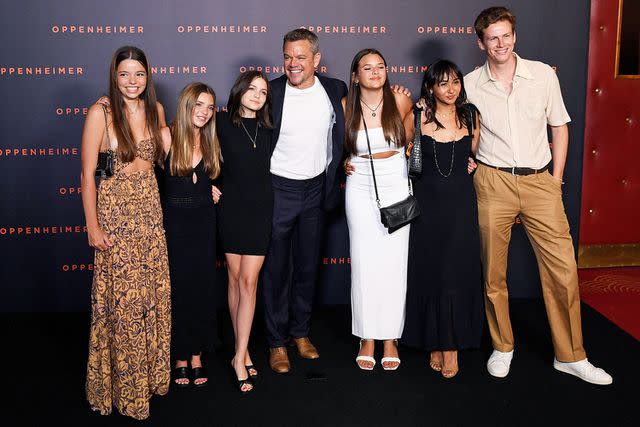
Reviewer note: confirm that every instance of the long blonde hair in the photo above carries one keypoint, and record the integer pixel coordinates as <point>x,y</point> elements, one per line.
<point>182,141</point>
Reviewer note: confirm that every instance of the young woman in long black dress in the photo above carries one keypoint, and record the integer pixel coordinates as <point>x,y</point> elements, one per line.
<point>192,161</point>
<point>444,311</point>
<point>246,208</point>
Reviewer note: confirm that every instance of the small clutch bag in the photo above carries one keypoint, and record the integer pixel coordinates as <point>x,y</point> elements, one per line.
<point>104,169</point>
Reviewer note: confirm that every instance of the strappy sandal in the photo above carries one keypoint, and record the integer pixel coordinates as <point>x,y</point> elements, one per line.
<point>391,360</point>
<point>252,371</point>
<point>434,364</point>
<point>365,359</point>
<point>241,383</point>
<point>181,373</point>
<point>199,373</point>
<point>450,373</point>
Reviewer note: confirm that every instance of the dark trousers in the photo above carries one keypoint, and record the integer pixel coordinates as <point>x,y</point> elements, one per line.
<point>295,235</point>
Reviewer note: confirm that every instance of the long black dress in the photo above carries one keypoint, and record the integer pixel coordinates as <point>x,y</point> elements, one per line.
<point>246,206</point>
<point>444,308</point>
<point>190,227</point>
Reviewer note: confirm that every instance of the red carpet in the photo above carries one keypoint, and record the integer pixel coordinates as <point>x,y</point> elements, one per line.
<point>615,293</point>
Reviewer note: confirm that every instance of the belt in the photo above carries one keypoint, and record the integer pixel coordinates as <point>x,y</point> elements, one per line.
<point>518,171</point>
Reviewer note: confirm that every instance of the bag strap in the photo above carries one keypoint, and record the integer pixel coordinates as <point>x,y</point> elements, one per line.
<point>106,126</point>
<point>417,115</point>
<point>373,171</point>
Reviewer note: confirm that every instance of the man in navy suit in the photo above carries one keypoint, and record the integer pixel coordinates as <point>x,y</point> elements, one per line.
<point>308,137</point>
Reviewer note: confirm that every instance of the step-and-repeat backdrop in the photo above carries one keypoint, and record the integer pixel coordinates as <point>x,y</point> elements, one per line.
<point>54,64</point>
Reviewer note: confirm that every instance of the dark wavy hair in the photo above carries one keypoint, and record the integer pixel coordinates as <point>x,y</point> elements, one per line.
<point>240,87</point>
<point>438,72</point>
<point>126,145</point>
<point>390,118</point>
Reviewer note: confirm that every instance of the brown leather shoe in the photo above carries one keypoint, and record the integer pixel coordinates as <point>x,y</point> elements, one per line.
<point>278,360</point>
<point>305,348</point>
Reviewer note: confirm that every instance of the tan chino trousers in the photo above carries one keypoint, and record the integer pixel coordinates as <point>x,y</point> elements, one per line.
<point>537,199</point>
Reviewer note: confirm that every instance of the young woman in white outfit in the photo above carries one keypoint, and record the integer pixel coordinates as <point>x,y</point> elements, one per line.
<point>378,259</point>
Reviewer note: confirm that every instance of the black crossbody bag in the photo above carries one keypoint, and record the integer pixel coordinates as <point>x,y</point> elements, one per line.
<point>399,214</point>
<point>104,168</point>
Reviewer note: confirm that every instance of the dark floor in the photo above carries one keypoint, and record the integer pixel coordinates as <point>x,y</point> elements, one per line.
<point>46,378</point>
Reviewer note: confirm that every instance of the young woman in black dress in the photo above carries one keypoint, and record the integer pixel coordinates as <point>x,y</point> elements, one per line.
<point>444,311</point>
<point>192,161</point>
<point>246,208</point>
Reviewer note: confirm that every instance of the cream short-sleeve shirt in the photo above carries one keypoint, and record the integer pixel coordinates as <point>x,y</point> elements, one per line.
<point>513,130</point>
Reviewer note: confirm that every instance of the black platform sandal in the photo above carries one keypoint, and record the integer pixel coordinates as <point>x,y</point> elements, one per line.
<point>250,369</point>
<point>199,373</point>
<point>242,383</point>
<point>181,373</point>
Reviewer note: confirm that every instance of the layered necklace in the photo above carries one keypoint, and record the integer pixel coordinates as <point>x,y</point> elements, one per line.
<point>255,135</point>
<point>374,109</point>
<point>453,147</point>
<point>435,157</point>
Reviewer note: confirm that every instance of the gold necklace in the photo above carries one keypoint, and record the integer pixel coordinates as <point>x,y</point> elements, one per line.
<point>445,115</point>
<point>255,137</point>
<point>373,110</point>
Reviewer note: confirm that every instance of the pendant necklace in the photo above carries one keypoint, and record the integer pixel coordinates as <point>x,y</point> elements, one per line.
<point>255,137</point>
<point>194,149</point>
<point>373,110</point>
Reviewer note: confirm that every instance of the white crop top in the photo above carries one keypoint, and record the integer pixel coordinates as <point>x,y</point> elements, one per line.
<point>377,141</point>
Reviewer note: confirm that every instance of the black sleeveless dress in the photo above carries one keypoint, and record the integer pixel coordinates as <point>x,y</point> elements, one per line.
<point>444,308</point>
<point>190,227</point>
<point>246,206</point>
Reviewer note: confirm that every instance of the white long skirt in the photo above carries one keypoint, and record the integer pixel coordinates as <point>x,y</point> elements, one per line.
<point>378,259</point>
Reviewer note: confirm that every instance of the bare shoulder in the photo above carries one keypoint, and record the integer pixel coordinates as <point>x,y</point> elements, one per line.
<point>96,114</point>
<point>160,108</point>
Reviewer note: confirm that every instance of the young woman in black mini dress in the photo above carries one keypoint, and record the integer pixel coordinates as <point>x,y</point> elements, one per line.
<point>246,208</point>
<point>192,161</point>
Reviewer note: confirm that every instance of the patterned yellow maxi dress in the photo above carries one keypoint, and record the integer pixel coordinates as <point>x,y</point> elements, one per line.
<point>129,343</point>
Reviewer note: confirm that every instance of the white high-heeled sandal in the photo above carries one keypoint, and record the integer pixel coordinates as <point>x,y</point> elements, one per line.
<point>390,359</point>
<point>365,359</point>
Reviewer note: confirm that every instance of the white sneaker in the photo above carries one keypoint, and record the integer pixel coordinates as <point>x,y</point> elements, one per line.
<point>584,370</point>
<point>499,363</point>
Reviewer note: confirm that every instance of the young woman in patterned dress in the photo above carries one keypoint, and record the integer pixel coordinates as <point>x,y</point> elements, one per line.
<point>130,297</point>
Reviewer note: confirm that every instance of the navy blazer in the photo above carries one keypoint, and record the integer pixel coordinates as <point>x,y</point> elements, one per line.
<point>336,90</point>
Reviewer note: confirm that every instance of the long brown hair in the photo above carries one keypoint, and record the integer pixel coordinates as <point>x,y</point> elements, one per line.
<point>390,117</point>
<point>182,138</point>
<point>126,145</point>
